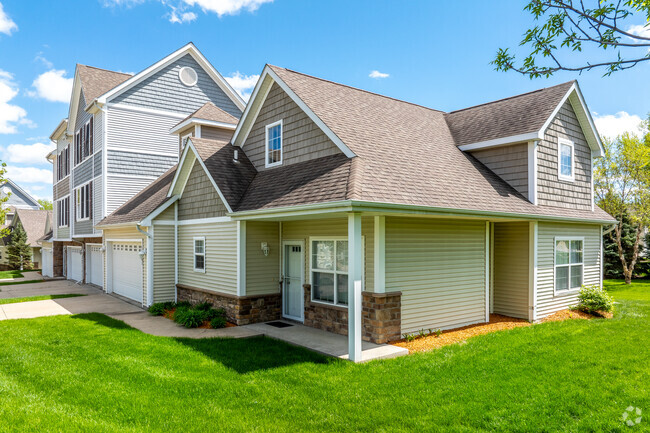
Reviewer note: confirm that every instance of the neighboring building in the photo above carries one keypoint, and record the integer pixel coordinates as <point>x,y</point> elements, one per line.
<point>36,224</point>
<point>116,141</point>
<point>444,218</point>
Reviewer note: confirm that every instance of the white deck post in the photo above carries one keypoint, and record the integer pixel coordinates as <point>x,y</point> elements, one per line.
<point>354,286</point>
<point>380,254</point>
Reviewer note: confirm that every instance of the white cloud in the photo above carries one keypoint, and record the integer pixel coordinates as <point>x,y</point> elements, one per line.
<point>613,125</point>
<point>182,17</point>
<point>52,86</point>
<point>6,24</point>
<point>27,153</point>
<point>29,175</point>
<point>640,30</point>
<point>377,74</point>
<point>243,84</point>
<point>40,58</point>
<point>227,7</point>
<point>10,114</point>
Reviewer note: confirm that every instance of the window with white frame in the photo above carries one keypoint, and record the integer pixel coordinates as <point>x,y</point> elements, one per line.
<point>565,160</point>
<point>329,271</point>
<point>199,254</point>
<point>63,212</point>
<point>83,202</point>
<point>274,144</point>
<point>569,263</point>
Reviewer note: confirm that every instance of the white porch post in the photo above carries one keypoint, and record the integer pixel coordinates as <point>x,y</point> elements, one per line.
<point>380,254</point>
<point>241,258</point>
<point>354,286</point>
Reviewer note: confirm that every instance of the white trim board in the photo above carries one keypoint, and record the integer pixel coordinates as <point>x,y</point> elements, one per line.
<point>199,122</point>
<point>146,110</point>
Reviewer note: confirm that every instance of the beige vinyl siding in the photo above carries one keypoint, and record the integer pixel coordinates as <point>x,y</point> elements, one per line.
<point>262,272</point>
<point>551,191</point>
<point>220,256</point>
<point>333,228</point>
<point>439,266</point>
<point>163,263</point>
<point>213,133</point>
<point>302,139</point>
<point>167,214</point>
<point>509,163</point>
<point>511,276</point>
<point>124,233</point>
<point>200,199</point>
<point>547,301</point>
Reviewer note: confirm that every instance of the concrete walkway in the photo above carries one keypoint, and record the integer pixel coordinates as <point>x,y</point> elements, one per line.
<point>96,301</point>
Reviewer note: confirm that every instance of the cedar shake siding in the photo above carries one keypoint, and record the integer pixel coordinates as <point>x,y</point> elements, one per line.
<point>200,198</point>
<point>550,190</point>
<point>302,139</point>
<point>508,162</point>
<point>164,91</point>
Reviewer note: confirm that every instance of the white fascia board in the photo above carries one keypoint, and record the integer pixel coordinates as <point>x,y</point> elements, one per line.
<point>203,122</point>
<point>74,102</point>
<point>521,138</point>
<point>239,137</point>
<point>601,150</point>
<point>207,173</point>
<point>191,49</point>
<point>179,170</point>
<point>60,128</point>
<point>146,222</point>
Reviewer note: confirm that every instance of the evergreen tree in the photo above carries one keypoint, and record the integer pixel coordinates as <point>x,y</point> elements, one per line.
<point>613,266</point>
<point>19,253</point>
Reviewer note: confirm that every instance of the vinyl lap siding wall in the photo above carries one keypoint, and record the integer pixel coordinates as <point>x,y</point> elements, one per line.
<point>164,91</point>
<point>220,256</point>
<point>547,301</point>
<point>62,188</point>
<point>137,164</point>
<point>83,172</point>
<point>216,133</point>
<point>508,162</point>
<point>439,266</point>
<point>200,199</point>
<point>511,278</point>
<point>262,271</point>
<point>120,189</point>
<point>164,268</point>
<point>302,139</point>
<point>144,132</point>
<point>550,190</point>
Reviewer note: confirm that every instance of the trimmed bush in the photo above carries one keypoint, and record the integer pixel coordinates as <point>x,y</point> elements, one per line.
<point>189,317</point>
<point>157,309</point>
<point>203,306</point>
<point>594,300</point>
<point>215,312</point>
<point>218,322</point>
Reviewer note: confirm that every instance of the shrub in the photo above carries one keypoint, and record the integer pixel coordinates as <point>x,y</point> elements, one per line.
<point>189,317</point>
<point>593,299</point>
<point>203,306</point>
<point>157,309</point>
<point>218,322</point>
<point>212,313</point>
<point>183,304</point>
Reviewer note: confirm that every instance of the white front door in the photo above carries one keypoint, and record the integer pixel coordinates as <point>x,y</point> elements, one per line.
<point>47,262</point>
<point>126,270</point>
<point>292,293</point>
<point>95,265</point>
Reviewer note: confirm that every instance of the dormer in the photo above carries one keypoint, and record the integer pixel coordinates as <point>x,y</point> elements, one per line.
<point>542,143</point>
<point>209,122</point>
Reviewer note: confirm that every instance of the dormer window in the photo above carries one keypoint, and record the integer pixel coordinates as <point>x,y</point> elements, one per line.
<point>274,144</point>
<point>566,160</point>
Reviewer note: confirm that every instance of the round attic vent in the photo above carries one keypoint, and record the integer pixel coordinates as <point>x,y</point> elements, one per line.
<point>188,76</point>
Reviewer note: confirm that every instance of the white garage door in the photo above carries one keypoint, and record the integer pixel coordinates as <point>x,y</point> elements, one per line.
<point>126,270</point>
<point>47,262</point>
<point>95,265</point>
<point>74,263</point>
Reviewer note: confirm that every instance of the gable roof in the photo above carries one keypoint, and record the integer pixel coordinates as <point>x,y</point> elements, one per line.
<point>31,201</point>
<point>97,81</point>
<point>143,203</point>
<point>34,222</point>
<point>208,114</point>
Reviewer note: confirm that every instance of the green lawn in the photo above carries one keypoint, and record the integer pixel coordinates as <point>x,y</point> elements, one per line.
<point>14,283</point>
<point>37,298</point>
<point>10,274</point>
<point>92,373</point>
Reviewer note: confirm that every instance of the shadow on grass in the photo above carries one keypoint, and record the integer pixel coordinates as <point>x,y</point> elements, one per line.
<point>102,319</point>
<point>245,355</point>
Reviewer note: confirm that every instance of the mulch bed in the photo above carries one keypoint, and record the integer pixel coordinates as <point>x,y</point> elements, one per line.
<point>497,323</point>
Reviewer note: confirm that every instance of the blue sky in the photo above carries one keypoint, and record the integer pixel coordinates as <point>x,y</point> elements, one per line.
<point>431,53</point>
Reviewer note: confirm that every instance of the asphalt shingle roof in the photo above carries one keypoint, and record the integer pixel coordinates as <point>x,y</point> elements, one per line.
<point>95,81</point>
<point>34,222</point>
<point>209,111</point>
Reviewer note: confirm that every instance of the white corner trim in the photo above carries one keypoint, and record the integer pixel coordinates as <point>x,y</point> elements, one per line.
<point>241,258</point>
<point>150,253</point>
<point>487,271</point>
<point>532,171</point>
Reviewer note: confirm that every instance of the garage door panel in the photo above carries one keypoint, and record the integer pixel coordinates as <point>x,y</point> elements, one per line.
<point>95,266</point>
<point>75,263</point>
<point>127,270</point>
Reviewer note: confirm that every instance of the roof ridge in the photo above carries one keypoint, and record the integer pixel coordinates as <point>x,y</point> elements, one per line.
<point>511,97</point>
<point>107,70</point>
<point>359,89</point>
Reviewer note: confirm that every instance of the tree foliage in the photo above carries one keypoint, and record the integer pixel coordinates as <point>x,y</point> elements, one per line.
<point>45,204</point>
<point>19,254</point>
<point>3,199</point>
<point>565,26</point>
<point>622,187</point>
<point>612,267</point>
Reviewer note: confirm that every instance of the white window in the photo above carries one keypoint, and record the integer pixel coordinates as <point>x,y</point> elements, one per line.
<point>569,264</point>
<point>83,202</point>
<point>63,212</point>
<point>274,144</point>
<point>565,160</point>
<point>329,271</point>
<point>199,254</point>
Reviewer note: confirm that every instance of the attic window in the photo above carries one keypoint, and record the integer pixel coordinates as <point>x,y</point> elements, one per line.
<point>274,144</point>
<point>565,160</point>
<point>188,76</point>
